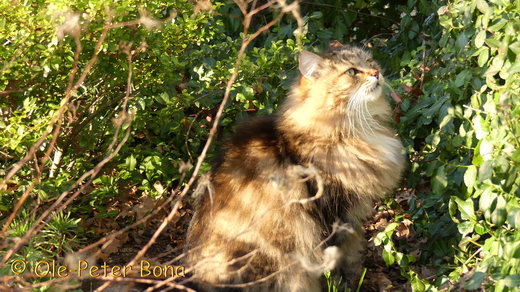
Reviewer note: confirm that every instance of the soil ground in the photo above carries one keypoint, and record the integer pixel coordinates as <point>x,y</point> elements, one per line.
<point>169,245</point>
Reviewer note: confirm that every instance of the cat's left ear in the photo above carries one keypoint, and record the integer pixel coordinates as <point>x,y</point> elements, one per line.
<point>335,45</point>
<point>308,64</point>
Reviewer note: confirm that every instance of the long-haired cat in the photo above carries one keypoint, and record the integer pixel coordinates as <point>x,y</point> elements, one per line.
<point>282,182</point>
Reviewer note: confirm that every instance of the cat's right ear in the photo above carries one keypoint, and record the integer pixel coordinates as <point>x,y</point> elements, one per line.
<point>308,64</point>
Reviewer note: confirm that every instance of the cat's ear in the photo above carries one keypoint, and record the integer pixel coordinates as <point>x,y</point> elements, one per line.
<point>308,64</point>
<point>335,45</point>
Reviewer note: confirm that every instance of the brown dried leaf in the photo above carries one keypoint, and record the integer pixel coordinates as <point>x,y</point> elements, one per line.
<point>381,224</point>
<point>142,208</point>
<point>405,196</point>
<point>427,272</point>
<point>109,248</point>
<point>396,97</point>
<point>407,88</point>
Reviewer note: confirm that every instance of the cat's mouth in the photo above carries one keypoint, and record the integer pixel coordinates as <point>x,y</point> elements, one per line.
<point>370,90</point>
<point>372,85</point>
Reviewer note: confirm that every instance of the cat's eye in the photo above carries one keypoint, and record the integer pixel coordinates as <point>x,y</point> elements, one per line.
<point>352,71</point>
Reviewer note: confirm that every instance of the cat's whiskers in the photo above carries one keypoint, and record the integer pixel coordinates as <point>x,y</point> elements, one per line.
<point>351,111</point>
<point>352,114</point>
<point>364,112</point>
<point>387,84</point>
<point>360,121</point>
<point>372,123</point>
<point>361,115</point>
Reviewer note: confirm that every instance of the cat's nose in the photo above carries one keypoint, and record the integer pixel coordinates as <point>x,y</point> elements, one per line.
<point>375,74</point>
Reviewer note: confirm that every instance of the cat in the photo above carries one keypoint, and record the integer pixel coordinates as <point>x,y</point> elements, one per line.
<point>282,184</point>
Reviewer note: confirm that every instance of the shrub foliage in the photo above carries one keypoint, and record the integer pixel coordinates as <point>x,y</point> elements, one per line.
<point>78,79</point>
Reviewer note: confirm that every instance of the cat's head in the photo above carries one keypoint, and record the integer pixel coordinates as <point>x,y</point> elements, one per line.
<point>339,93</point>
<point>346,71</point>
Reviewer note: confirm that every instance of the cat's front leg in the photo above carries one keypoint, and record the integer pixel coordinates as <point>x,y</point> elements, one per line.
<point>351,242</point>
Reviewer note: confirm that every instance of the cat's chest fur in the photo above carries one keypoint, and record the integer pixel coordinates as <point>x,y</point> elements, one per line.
<point>357,166</point>
<point>355,173</point>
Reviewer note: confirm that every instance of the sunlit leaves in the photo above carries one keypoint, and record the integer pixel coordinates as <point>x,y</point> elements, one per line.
<point>472,167</point>
<point>470,176</point>
<point>480,38</point>
<point>454,63</point>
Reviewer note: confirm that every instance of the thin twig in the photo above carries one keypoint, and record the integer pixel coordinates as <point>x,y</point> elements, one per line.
<point>72,87</point>
<point>18,206</point>
<point>188,135</point>
<point>246,40</point>
<point>93,172</point>
<point>70,90</point>
<point>420,34</point>
<point>13,58</point>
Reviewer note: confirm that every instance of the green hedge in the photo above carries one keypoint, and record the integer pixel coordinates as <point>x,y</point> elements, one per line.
<point>460,124</point>
<point>455,64</point>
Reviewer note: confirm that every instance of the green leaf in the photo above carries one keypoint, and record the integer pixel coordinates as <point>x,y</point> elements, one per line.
<point>516,156</point>
<point>515,47</point>
<point>388,257</point>
<point>513,214</point>
<point>512,281</point>
<point>480,38</point>
<point>461,78</point>
<point>481,229</point>
<point>452,210</point>
<point>442,10</point>
<point>485,170</point>
<point>475,281</point>
<point>418,285</point>
<point>456,141</point>
<point>401,259</point>
<point>512,250</point>
<point>480,126</point>
<point>439,181</point>
<point>461,41</point>
<point>470,176</point>
<point>483,6</point>
<point>380,237</point>
<point>494,43</point>
<point>498,26</point>
<point>465,227</point>
<point>486,200</point>
<point>131,162</point>
<point>496,65</point>
<point>477,159</point>
<point>483,57</point>
<point>240,97</point>
<point>486,150</point>
<point>498,217</point>
<point>466,208</point>
<point>391,227</point>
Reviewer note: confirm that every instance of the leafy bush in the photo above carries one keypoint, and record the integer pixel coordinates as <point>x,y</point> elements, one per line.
<point>455,64</point>
<point>461,129</point>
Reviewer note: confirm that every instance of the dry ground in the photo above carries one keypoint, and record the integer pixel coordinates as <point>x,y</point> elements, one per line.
<point>169,245</point>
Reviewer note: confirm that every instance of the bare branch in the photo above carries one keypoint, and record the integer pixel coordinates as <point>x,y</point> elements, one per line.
<point>246,40</point>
